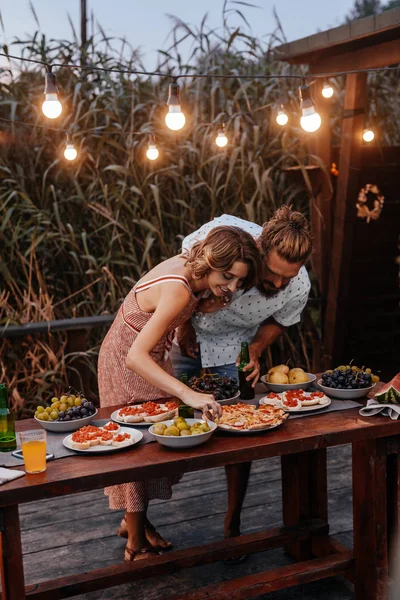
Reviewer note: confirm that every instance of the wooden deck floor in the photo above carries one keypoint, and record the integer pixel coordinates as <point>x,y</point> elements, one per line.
<point>75,533</point>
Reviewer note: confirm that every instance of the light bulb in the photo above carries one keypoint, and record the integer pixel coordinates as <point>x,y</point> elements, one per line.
<point>281,117</point>
<point>221,140</point>
<point>152,151</point>
<point>327,91</point>
<point>51,107</point>
<point>174,119</point>
<point>311,120</point>
<point>70,152</point>
<point>368,135</point>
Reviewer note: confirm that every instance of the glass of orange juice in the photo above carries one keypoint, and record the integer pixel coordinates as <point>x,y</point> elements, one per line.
<point>33,445</point>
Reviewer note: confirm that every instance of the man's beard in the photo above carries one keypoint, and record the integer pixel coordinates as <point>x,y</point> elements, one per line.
<point>267,289</point>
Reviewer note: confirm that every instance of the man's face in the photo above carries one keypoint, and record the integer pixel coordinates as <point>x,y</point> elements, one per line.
<point>276,274</point>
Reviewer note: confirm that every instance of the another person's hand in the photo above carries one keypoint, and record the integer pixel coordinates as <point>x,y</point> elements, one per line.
<point>253,365</point>
<point>186,338</point>
<point>204,402</point>
<point>212,303</point>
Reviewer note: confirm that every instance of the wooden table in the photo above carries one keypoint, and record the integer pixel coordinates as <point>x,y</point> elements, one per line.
<point>301,443</point>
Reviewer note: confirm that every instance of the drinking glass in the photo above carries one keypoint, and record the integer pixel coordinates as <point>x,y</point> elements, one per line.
<point>33,445</point>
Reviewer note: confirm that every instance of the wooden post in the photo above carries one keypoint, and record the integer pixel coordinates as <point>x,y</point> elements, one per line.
<point>319,145</point>
<point>369,518</point>
<point>345,215</point>
<point>12,568</point>
<point>83,32</point>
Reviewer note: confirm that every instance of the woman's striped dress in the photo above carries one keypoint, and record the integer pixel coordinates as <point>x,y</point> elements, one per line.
<point>119,385</point>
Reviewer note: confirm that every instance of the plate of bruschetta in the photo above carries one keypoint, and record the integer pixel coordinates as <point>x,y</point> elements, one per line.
<point>108,438</point>
<point>297,400</point>
<point>145,414</point>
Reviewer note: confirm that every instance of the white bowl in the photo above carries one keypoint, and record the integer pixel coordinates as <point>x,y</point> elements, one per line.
<point>185,441</point>
<point>62,426</point>
<point>345,394</point>
<point>284,387</point>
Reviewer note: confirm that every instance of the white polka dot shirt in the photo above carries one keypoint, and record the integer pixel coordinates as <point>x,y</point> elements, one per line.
<point>221,333</point>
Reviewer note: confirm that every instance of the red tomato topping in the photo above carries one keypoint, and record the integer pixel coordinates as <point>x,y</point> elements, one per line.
<point>273,395</point>
<point>171,405</point>
<point>111,427</point>
<point>121,437</point>
<point>106,435</point>
<point>291,402</point>
<point>317,395</point>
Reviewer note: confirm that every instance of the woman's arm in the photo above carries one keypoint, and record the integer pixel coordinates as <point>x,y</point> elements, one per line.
<point>173,300</point>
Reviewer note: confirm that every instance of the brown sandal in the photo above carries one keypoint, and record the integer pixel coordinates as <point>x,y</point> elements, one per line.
<point>132,555</point>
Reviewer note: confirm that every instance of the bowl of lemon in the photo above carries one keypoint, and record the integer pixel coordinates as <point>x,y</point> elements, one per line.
<point>182,433</point>
<point>67,413</point>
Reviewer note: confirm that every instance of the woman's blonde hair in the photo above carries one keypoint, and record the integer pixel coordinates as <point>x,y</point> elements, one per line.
<point>220,249</point>
<point>288,233</point>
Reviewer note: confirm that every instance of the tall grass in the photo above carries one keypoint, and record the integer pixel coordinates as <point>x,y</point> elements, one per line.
<point>76,237</point>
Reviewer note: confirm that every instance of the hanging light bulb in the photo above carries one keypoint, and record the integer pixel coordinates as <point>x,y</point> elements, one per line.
<point>51,107</point>
<point>221,140</point>
<point>70,152</point>
<point>310,120</point>
<point>152,150</point>
<point>174,119</point>
<point>327,90</point>
<point>282,117</point>
<point>368,135</point>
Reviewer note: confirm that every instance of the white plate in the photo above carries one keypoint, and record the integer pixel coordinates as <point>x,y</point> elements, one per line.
<point>251,431</point>
<point>114,417</point>
<point>278,404</point>
<point>136,436</point>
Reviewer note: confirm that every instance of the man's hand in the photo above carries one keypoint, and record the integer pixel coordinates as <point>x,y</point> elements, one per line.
<point>253,366</point>
<point>186,338</point>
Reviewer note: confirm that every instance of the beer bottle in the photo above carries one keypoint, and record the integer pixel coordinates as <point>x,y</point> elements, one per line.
<point>246,390</point>
<point>185,411</point>
<point>8,441</point>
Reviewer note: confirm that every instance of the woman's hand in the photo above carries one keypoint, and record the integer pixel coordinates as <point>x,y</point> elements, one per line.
<point>204,402</point>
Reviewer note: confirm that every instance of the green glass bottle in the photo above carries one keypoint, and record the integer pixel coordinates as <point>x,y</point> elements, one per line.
<point>246,390</point>
<point>8,440</point>
<point>185,411</point>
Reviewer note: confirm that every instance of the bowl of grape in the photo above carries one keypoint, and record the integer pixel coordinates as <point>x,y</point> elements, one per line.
<point>67,413</point>
<point>347,382</point>
<point>224,389</point>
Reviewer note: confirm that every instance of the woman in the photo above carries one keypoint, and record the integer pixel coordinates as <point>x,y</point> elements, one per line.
<point>134,365</point>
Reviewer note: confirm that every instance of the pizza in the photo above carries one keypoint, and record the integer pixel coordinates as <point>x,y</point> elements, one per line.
<point>90,435</point>
<point>246,417</point>
<point>149,412</point>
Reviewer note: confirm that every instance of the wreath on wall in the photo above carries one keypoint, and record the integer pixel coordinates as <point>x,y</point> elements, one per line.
<point>370,202</point>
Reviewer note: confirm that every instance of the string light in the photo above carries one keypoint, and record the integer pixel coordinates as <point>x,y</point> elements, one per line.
<point>327,90</point>
<point>282,117</point>
<point>70,152</point>
<point>310,119</point>
<point>368,135</point>
<point>51,107</point>
<point>174,119</point>
<point>221,140</point>
<point>152,150</point>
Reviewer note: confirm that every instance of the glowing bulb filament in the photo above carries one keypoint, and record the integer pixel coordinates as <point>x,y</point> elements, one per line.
<point>221,140</point>
<point>368,135</point>
<point>281,117</point>
<point>70,152</point>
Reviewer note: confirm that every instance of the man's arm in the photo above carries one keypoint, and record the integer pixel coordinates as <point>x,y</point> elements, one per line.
<point>266,335</point>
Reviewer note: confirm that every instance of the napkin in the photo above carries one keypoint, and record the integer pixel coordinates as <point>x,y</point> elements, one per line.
<point>373,408</point>
<point>7,475</point>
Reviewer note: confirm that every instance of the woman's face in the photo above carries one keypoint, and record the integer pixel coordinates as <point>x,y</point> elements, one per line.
<point>222,283</point>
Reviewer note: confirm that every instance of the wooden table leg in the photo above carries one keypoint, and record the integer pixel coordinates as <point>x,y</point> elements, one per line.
<point>12,569</point>
<point>369,516</point>
<point>393,502</point>
<point>304,494</point>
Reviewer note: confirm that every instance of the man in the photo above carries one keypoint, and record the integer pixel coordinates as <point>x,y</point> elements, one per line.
<point>257,316</point>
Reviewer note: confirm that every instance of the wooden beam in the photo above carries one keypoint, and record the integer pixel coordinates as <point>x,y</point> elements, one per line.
<point>12,568</point>
<point>372,57</point>
<point>345,216</point>
<point>319,145</point>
